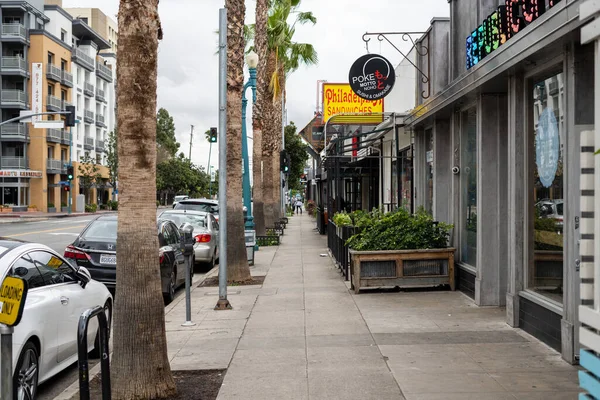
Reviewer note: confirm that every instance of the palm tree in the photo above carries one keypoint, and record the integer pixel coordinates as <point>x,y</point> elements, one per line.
<point>237,265</point>
<point>140,367</point>
<point>262,90</point>
<point>284,57</point>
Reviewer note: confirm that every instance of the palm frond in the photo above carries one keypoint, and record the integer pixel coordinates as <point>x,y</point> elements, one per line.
<point>306,17</point>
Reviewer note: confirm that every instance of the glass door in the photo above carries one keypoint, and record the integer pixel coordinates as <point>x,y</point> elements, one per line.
<point>468,187</point>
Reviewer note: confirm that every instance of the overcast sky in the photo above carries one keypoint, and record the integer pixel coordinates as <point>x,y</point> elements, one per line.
<point>188,66</point>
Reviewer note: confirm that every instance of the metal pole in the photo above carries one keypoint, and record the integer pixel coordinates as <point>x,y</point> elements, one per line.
<point>188,295</point>
<point>223,303</point>
<point>282,186</point>
<point>15,119</point>
<point>6,381</point>
<point>209,176</point>
<point>246,191</point>
<point>70,195</point>
<point>191,139</point>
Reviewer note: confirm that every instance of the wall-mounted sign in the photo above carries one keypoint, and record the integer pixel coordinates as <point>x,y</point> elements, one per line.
<point>6,173</point>
<point>36,90</point>
<point>372,77</point>
<point>501,25</point>
<point>547,147</point>
<point>340,98</point>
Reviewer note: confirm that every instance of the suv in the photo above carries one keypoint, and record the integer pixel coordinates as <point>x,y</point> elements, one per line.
<point>206,205</point>
<point>551,209</point>
<point>177,199</point>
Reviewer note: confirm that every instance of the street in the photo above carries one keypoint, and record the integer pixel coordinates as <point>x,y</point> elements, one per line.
<point>58,234</point>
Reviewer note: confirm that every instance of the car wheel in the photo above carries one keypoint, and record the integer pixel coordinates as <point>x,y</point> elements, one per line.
<point>170,295</point>
<point>97,351</point>
<point>25,380</point>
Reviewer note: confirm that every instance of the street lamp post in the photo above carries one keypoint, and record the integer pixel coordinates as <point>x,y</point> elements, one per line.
<point>252,61</point>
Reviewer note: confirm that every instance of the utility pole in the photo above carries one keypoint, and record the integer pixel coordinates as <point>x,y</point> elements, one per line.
<point>191,139</point>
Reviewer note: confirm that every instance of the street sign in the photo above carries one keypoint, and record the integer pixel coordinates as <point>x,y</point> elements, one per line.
<point>13,293</point>
<point>49,124</point>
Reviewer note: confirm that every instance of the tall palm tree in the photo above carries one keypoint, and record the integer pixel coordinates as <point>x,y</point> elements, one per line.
<point>237,261</point>
<point>140,367</point>
<point>284,57</point>
<point>262,96</point>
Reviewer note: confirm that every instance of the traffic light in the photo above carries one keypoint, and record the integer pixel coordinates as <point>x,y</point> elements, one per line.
<point>67,188</point>
<point>70,120</point>
<point>213,135</point>
<point>70,172</point>
<point>284,162</point>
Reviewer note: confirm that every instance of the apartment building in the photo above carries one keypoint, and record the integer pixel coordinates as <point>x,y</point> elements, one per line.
<point>49,61</point>
<point>99,22</point>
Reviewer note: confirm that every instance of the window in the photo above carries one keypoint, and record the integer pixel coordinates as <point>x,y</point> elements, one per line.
<point>50,58</point>
<point>468,187</point>
<point>548,135</point>
<point>50,152</point>
<point>50,90</point>
<point>52,268</point>
<point>84,19</point>
<point>63,95</point>
<point>429,170</point>
<point>12,20</point>
<point>63,35</point>
<point>25,268</point>
<point>63,154</point>
<point>63,65</point>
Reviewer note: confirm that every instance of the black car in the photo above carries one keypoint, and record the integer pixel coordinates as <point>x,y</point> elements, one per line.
<point>96,249</point>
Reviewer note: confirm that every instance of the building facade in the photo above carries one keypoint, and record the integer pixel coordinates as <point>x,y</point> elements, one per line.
<point>497,154</point>
<point>50,61</point>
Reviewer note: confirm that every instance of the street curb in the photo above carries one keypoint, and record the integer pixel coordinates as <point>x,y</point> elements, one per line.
<point>73,389</point>
<point>18,220</point>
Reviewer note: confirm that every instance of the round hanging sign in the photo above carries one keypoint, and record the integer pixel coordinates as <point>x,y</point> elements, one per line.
<point>547,147</point>
<point>372,77</point>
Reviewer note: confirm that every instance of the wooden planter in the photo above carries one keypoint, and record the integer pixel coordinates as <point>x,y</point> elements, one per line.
<point>402,268</point>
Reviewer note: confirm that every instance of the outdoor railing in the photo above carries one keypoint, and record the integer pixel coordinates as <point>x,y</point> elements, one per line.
<point>14,130</point>
<point>321,225</point>
<point>100,119</point>
<point>88,89</point>
<point>88,143</point>
<point>100,95</point>
<point>67,78</point>
<point>16,63</point>
<point>13,162</point>
<point>53,72</point>
<point>99,146</point>
<point>54,165</point>
<point>14,96</point>
<point>103,71</point>
<point>13,30</point>
<point>88,116</point>
<point>336,241</point>
<point>54,135</point>
<point>81,58</point>
<point>53,101</point>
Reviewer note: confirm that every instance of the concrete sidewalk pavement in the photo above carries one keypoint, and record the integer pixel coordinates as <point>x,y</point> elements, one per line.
<point>303,334</point>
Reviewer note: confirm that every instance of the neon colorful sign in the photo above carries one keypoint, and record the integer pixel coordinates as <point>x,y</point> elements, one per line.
<point>501,25</point>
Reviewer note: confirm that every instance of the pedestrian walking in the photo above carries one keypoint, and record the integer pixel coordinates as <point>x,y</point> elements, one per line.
<point>298,206</point>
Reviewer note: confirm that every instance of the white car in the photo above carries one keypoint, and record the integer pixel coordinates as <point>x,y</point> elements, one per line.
<point>45,341</point>
<point>179,198</point>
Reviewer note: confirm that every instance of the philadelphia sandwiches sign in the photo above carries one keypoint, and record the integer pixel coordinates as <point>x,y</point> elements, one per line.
<point>372,77</point>
<point>501,25</point>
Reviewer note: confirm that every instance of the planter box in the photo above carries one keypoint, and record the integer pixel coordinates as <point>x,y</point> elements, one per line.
<point>402,268</point>
<point>30,209</point>
<point>19,208</point>
<point>51,209</point>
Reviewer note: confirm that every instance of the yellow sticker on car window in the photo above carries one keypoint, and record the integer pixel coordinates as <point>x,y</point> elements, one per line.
<point>54,262</point>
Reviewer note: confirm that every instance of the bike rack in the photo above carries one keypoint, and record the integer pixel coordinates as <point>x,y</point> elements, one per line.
<point>82,352</point>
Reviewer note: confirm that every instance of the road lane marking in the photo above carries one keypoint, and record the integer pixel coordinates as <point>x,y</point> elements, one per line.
<point>64,233</point>
<point>46,231</point>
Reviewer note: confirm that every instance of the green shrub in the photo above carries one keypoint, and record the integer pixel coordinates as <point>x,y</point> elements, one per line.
<point>112,205</point>
<point>398,230</point>
<point>63,204</point>
<point>342,219</point>
<point>50,205</point>
<point>310,207</point>
<point>91,208</point>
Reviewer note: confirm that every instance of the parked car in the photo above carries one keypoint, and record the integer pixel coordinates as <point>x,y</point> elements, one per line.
<point>206,205</point>
<point>177,199</point>
<point>96,249</point>
<point>206,233</point>
<point>549,208</point>
<point>45,341</point>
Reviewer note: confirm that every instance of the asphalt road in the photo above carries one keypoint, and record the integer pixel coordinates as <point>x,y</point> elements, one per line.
<point>57,234</point>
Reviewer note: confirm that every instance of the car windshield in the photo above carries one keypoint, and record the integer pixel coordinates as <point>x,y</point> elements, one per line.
<point>179,198</point>
<point>101,229</point>
<point>197,221</point>
<point>559,208</point>
<point>206,207</point>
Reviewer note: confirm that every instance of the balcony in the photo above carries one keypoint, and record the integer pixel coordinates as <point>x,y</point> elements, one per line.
<point>78,56</point>
<point>88,143</point>
<point>102,71</point>
<point>14,162</point>
<point>88,116</point>
<point>14,132</point>
<point>67,78</point>
<point>88,89</point>
<point>53,72</point>
<point>14,65</point>
<point>553,86</point>
<point>64,104</point>
<point>14,98</point>
<point>54,135</point>
<point>100,121</point>
<point>99,146</point>
<point>12,32</point>
<point>66,137</point>
<point>54,166</point>
<point>53,103</point>
<point>100,95</point>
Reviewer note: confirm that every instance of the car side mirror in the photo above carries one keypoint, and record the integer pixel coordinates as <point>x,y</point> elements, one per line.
<point>21,271</point>
<point>84,276</point>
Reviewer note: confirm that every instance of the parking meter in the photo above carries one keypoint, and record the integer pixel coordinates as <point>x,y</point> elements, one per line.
<point>187,247</point>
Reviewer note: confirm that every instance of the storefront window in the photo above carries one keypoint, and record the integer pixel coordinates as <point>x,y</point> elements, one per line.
<point>406,172</point>
<point>468,187</point>
<point>546,272</point>
<point>429,170</point>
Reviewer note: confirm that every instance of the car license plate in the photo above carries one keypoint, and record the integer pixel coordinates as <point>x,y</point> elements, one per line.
<point>108,259</point>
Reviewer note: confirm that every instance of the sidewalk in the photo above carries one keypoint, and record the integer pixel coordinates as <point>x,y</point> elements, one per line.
<point>304,335</point>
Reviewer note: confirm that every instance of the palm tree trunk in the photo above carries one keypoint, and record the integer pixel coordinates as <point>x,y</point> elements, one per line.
<point>262,96</point>
<point>140,367</point>
<point>270,150</point>
<point>237,265</point>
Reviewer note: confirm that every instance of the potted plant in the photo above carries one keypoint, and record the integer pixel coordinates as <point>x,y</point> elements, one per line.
<point>400,249</point>
<point>51,208</point>
<point>91,208</point>
<point>32,208</point>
